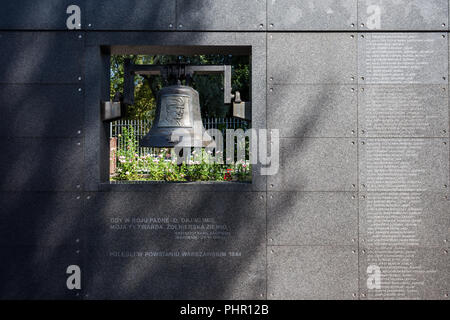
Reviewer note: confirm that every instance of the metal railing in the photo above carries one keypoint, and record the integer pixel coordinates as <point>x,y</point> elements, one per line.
<point>141,128</point>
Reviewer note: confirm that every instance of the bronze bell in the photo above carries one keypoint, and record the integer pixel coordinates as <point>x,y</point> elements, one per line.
<point>178,121</point>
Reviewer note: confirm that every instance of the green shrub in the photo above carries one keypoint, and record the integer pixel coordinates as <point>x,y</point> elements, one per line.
<point>162,165</point>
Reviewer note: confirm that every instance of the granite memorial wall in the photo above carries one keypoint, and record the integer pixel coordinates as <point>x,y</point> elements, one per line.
<point>359,208</point>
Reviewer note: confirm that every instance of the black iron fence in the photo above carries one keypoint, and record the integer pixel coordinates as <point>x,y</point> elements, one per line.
<point>139,128</point>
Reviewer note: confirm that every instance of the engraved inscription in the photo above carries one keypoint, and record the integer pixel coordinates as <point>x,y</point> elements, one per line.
<point>404,164</point>
<point>180,228</point>
<point>407,273</point>
<point>408,58</point>
<point>174,254</point>
<point>404,219</point>
<point>404,111</point>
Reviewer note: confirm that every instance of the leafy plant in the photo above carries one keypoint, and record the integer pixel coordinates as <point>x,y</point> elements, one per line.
<point>210,87</point>
<point>128,164</point>
<point>162,165</point>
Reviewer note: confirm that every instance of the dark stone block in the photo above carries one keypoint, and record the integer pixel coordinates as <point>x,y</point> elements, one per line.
<point>312,58</point>
<point>196,42</point>
<point>316,164</point>
<point>150,259</point>
<point>29,272</point>
<point>312,15</point>
<point>221,15</point>
<point>259,183</point>
<point>179,278</point>
<point>312,218</point>
<point>41,57</point>
<point>404,111</point>
<point>41,111</point>
<point>40,219</point>
<point>29,164</point>
<point>313,110</point>
<point>36,15</point>
<point>312,272</point>
<point>96,134</point>
<point>403,15</point>
<point>130,15</point>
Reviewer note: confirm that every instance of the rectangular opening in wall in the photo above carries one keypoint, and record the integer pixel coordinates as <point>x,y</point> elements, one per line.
<point>179,118</point>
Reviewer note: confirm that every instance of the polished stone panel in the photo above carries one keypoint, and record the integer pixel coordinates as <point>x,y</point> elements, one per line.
<point>34,164</point>
<point>316,164</point>
<point>403,15</point>
<point>37,15</point>
<point>161,245</point>
<point>46,219</point>
<point>312,15</point>
<point>41,57</point>
<point>313,110</point>
<point>364,164</point>
<point>130,15</point>
<point>312,58</point>
<point>317,272</point>
<point>312,218</point>
<point>38,273</point>
<point>226,15</point>
<point>30,110</point>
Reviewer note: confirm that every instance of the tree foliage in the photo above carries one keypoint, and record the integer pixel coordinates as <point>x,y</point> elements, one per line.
<point>210,87</point>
